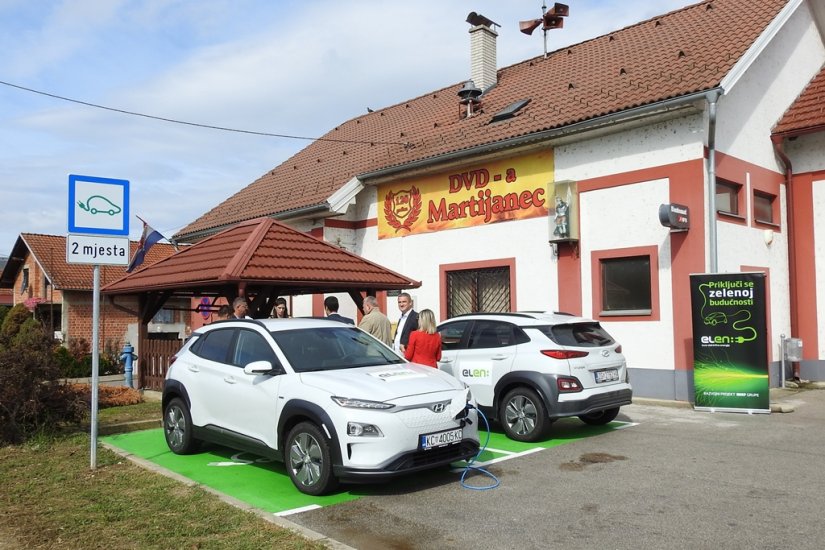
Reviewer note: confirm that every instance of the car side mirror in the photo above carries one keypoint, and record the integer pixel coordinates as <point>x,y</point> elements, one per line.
<point>262,367</point>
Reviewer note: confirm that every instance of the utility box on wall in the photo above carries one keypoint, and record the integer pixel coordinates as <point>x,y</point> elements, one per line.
<point>793,349</point>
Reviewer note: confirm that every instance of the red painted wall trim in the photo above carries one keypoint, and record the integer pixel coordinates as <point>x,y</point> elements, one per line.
<point>345,224</point>
<point>803,197</point>
<point>569,270</point>
<point>443,269</point>
<point>687,182</point>
<point>761,179</point>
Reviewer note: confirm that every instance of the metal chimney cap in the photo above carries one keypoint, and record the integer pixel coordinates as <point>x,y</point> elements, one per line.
<point>469,91</point>
<point>476,19</point>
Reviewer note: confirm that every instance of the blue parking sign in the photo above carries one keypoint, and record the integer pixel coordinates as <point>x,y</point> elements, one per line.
<point>98,206</point>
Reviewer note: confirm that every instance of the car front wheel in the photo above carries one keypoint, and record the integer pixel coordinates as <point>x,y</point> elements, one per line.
<point>600,418</point>
<point>308,460</point>
<point>177,427</point>
<point>523,415</point>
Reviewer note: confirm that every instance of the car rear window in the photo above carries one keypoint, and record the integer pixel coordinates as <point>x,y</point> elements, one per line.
<point>584,335</point>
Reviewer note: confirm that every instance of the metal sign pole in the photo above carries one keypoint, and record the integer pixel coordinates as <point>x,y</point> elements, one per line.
<point>95,361</point>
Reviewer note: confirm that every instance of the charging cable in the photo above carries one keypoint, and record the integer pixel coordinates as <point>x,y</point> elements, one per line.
<point>478,469</point>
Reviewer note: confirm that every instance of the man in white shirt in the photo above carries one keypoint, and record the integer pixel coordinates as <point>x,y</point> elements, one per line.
<point>406,324</point>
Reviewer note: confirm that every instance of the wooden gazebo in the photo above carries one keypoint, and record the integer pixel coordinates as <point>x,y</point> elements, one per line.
<point>260,260</point>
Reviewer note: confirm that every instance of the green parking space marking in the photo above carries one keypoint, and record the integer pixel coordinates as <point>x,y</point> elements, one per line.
<point>259,482</point>
<point>264,484</point>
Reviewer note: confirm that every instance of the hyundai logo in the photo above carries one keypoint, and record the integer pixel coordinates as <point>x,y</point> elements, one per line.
<point>438,407</point>
<point>605,352</point>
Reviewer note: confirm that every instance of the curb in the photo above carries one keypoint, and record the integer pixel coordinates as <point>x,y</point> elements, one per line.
<point>280,521</point>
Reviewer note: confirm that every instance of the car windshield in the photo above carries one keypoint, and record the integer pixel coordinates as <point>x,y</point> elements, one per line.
<point>332,348</point>
<point>578,334</point>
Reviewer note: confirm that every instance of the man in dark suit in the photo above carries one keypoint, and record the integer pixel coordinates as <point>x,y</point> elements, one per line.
<point>331,308</point>
<point>406,324</point>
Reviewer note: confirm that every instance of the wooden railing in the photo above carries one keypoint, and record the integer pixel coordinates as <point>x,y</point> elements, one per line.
<point>153,361</point>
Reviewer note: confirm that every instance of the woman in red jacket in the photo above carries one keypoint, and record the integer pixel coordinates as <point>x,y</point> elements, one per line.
<point>424,346</point>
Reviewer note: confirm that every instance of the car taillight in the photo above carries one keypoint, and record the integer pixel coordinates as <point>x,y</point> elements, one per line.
<point>172,359</point>
<point>563,354</point>
<point>568,385</point>
<point>618,349</point>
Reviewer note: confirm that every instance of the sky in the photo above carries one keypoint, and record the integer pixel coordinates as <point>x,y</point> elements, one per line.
<point>288,67</point>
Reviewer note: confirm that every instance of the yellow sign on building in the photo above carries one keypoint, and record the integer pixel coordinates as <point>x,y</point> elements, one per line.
<point>509,189</point>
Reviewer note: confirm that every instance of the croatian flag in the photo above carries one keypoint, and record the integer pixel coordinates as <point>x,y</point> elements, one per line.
<point>149,237</point>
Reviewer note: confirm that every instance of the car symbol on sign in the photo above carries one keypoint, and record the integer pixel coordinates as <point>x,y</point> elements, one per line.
<point>99,205</point>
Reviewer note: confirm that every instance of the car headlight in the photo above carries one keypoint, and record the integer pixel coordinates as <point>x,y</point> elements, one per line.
<point>361,403</point>
<point>361,429</point>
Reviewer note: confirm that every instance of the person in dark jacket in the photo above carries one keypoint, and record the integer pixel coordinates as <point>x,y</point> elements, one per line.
<point>406,324</point>
<point>331,309</point>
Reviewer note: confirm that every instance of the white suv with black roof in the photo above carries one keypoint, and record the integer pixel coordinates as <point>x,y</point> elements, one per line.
<point>327,399</point>
<point>529,369</point>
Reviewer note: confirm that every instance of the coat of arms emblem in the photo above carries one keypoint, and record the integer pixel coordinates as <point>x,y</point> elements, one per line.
<point>402,208</point>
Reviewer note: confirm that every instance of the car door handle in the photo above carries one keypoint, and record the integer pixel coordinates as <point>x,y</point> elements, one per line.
<point>499,357</point>
<point>445,360</point>
<point>229,380</point>
<point>194,368</point>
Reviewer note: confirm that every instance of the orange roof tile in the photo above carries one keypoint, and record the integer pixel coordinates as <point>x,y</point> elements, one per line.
<point>682,52</point>
<point>50,253</point>
<point>265,253</point>
<point>807,114</point>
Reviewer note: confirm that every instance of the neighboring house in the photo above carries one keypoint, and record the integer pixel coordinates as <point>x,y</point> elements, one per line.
<point>538,186</point>
<point>60,293</point>
<point>6,296</point>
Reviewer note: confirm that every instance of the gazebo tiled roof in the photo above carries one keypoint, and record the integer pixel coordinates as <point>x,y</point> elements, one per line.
<point>261,255</point>
<point>684,52</point>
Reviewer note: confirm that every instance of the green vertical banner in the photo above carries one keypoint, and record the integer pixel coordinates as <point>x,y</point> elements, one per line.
<point>730,350</point>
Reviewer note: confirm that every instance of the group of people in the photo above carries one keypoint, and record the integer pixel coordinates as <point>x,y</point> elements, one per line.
<point>415,335</point>
<point>240,309</point>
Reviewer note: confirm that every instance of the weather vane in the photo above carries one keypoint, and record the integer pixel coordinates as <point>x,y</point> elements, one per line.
<point>550,19</point>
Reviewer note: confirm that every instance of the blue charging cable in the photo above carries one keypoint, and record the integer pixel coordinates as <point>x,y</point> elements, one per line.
<point>478,469</point>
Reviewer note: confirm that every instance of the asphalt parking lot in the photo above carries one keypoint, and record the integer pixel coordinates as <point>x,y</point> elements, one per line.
<point>678,476</point>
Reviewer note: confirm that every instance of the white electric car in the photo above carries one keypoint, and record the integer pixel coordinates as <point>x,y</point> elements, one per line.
<point>329,400</point>
<point>530,369</point>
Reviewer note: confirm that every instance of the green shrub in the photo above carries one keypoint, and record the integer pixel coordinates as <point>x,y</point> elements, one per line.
<point>31,398</point>
<point>3,311</point>
<point>76,360</point>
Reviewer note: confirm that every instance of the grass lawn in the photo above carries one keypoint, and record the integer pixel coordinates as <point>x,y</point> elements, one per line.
<point>51,498</point>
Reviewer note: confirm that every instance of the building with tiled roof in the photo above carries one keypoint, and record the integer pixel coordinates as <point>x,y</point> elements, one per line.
<point>60,293</point>
<point>540,188</point>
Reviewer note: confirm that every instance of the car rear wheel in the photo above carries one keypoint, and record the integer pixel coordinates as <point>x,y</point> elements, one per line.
<point>308,460</point>
<point>177,427</point>
<point>600,418</point>
<point>523,415</point>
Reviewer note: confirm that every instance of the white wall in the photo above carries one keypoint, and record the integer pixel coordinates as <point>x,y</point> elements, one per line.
<point>758,100</point>
<point>631,213</point>
<point>420,257</point>
<point>667,142</point>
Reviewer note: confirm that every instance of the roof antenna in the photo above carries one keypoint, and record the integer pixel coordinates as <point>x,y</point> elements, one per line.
<point>550,19</point>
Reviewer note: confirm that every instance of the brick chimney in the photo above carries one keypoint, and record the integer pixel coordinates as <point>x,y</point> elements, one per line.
<point>482,51</point>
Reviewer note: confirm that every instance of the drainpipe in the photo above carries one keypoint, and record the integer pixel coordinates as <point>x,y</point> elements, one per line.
<point>778,141</point>
<point>712,97</point>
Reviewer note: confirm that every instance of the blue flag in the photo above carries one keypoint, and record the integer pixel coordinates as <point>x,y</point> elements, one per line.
<point>149,237</point>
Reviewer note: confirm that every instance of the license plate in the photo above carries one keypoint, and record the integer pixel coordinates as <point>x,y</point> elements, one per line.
<point>608,375</point>
<point>440,439</point>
